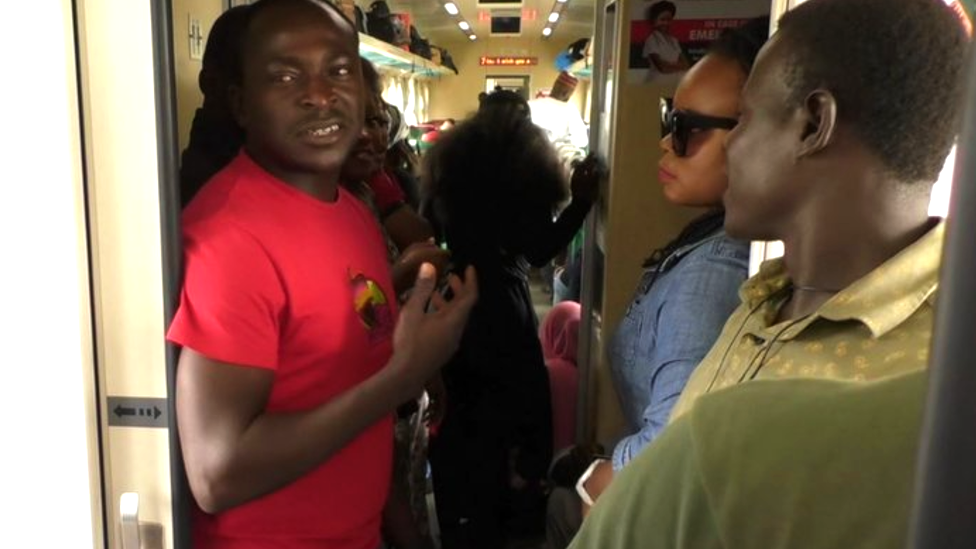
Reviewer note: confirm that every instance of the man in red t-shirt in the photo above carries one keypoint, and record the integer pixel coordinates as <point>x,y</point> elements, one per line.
<point>291,365</point>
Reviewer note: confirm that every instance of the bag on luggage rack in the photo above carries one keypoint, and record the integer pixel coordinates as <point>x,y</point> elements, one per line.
<point>379,23</point>
<point>419,45</point>
<point>447,61</point>
<point>360,20</point>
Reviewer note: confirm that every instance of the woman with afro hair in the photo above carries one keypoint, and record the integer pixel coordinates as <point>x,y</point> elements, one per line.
<point>493,187</point>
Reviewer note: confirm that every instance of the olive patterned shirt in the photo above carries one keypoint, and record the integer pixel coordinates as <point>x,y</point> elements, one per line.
<point>879,326</point>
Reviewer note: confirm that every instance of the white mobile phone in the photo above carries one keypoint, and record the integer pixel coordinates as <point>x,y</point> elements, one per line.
<point>581,483</point>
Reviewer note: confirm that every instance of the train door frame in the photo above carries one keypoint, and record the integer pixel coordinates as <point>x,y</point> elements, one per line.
<point>943,512</point>
<point>126,92</point>
<point>167,139</point>
<point>606,26</point>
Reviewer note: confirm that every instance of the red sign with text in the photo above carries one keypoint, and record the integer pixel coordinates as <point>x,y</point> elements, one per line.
<point>487,61</point>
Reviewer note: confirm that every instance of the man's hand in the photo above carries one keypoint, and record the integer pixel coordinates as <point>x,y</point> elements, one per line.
<point>430,327</point>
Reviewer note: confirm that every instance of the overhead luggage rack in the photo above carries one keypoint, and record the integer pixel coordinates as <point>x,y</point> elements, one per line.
<point>388,56</point>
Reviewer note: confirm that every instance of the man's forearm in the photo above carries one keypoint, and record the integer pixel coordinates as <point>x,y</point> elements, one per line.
<point>277,448</point>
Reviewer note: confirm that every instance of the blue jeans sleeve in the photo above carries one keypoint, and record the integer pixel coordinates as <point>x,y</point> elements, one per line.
<point>687,325</point>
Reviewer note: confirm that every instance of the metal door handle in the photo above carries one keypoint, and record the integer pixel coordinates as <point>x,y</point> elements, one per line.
<point>129,514</point>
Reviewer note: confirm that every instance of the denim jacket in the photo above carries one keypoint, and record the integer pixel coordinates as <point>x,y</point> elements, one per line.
<point>677,312</point>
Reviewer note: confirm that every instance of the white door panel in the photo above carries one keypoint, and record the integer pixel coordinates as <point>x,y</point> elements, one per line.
<point>119,105</point>
<point>50,476</point>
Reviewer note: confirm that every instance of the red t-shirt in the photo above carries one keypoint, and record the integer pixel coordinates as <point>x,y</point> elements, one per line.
<point>279,280</point>
<point>387,192</point>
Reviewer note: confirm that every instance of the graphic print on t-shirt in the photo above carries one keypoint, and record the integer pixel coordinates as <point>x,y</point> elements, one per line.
<point>373,308</point>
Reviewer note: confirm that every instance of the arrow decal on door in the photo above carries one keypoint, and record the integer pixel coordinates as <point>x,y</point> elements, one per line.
<point>137,412</point>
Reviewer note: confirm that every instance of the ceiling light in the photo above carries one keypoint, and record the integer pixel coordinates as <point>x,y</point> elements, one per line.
<point>553,17</point>
<point>452,8</point>
<point>562,1</point>
<point>472,37</point>
<point>546,31</point>
<point>464,25</point>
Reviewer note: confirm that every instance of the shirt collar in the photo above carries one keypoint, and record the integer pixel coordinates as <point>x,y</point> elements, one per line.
<point>888,295</point>
<point>687,248</point>
<point>769,281</point>
<point>881,300</point>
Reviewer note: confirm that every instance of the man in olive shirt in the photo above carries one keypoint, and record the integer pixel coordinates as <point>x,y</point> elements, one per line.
<point>847,118</point>
<point>775,464</point>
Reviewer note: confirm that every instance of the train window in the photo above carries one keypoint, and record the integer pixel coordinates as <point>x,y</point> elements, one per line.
<point>939,203</point>
<point>516,83</point>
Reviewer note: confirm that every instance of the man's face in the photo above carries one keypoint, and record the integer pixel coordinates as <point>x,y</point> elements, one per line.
<point>762,188</point>
<point>302,98</point>
<point>369,152</point>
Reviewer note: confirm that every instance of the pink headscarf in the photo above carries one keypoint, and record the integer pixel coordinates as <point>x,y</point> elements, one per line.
<point>560,332</point>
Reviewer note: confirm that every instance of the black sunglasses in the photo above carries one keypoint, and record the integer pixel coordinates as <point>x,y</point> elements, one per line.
<point>682,124</point>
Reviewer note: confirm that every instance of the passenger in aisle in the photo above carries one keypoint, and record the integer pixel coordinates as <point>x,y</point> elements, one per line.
<point>494,184</point>
<point>689,286</point>
<point>291,365</point>
<point>568,134</point>
<point>402,159</point>
<point>410,236</point>
<point>562,122</point>
<point>853,126</point>
<point>367,165</point>
<point>559,335</point>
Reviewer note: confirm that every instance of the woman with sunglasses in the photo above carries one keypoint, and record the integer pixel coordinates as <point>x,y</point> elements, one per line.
<point>690,286</point>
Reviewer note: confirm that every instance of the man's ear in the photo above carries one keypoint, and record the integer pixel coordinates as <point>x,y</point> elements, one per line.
<point>235,98</point>
<point>820,122</point>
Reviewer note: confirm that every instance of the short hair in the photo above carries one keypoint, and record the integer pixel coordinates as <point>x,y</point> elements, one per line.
<point>742,44</point>
<point>657,8</point>
<point>895,68</point>
<point>262,5</point>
